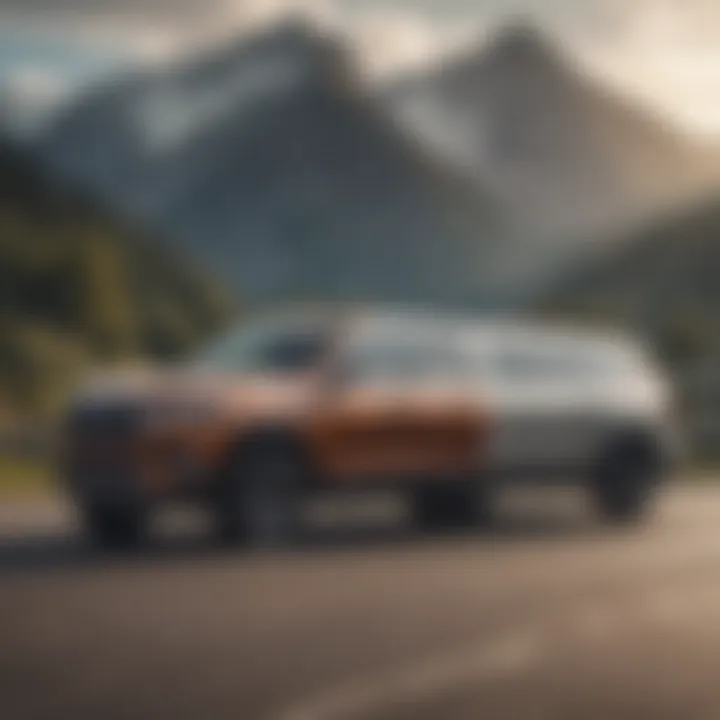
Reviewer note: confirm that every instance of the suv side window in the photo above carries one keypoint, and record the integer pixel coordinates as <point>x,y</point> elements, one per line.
<point>397,356</point>
<point>550,361</point>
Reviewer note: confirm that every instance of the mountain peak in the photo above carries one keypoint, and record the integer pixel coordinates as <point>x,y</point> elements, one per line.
<point>293,38</point>
<point>293,34</point>
<point>522,44</point>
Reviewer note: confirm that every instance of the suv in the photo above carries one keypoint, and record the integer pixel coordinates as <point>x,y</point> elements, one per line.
<point>443,407</point>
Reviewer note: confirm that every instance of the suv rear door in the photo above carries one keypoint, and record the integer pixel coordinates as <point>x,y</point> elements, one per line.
<point>542,395</point>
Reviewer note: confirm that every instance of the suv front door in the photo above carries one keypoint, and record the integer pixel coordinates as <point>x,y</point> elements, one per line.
<point>394,413</point>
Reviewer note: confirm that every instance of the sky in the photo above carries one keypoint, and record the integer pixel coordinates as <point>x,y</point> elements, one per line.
<point>667,52</point>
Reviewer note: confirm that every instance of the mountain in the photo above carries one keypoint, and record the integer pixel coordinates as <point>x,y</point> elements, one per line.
<point>269,160</point>
<point>119,136</point>
<point>77,289</point>
<point>567,157</point>
<point>662,283</point>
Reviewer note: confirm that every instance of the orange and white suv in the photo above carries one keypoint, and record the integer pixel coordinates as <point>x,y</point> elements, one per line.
<point>445,408</point>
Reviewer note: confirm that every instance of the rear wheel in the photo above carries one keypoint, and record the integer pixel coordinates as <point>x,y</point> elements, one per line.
<point>624,482</point>
<point>259,504</point>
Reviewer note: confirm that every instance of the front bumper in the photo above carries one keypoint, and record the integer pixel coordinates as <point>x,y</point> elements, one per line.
<point>139,470</point>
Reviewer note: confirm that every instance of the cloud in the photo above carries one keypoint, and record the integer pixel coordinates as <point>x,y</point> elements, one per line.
<point>36,84</point>
<point>664,49</point>
<point>28,97</point>
<point>388,34</point>
<point>161,17</point>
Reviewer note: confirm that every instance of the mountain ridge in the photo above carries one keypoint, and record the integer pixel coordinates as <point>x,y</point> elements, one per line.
<point>517,164</point>
<point>259,187</point>
<point>518,114</point>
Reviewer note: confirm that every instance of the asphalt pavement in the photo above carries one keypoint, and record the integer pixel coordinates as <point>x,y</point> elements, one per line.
<point>549,615</point>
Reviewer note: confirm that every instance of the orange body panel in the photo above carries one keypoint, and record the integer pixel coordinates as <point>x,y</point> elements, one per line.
<point>383,434</point>
<point>350,435</point>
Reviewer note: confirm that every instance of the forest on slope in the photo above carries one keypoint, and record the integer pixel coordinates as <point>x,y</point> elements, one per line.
<point>662,283</point>
<point>78,290</point>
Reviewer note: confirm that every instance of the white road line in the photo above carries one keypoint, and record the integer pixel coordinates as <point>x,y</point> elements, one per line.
<point>680,608</point>
<point>503,657</point>
<point>483,662</point>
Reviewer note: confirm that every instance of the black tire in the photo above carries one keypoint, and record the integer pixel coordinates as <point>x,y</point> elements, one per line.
<point>624,482</point>
<point>115,527</point>
<point>259,500</point>
<point>453,507</point>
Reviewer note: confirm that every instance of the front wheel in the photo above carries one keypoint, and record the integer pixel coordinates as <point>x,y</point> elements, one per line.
<point>259,504</point>
<point>115,527</point>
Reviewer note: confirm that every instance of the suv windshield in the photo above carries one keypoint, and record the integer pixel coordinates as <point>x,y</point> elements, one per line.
<point>267,348</point>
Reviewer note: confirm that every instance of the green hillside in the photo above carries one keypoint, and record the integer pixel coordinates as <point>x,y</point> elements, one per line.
<point>664,284</point>
<point>76,289</point>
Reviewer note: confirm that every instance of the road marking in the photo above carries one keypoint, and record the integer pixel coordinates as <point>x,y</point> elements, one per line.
<point>483,662</point>
<point>503,657</point>
<point>681,608</point>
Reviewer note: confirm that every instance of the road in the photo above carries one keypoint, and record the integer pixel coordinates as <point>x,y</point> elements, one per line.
<point>548,616</point>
